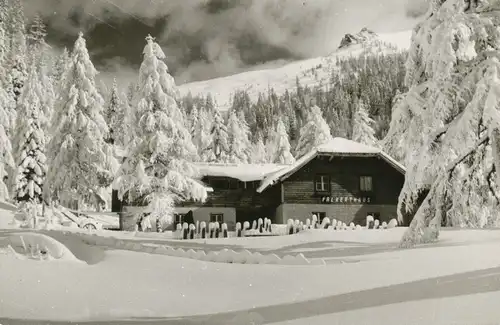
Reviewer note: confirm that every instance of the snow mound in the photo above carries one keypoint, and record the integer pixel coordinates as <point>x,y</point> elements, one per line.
<point>40,246</point>
<point>222,256</point>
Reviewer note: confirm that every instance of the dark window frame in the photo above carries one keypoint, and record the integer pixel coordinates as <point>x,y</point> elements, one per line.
<point>213,217</point>
<point>363,188</point>
<point>324,180</point>
<point>320,215</point>
<point>179,218</point>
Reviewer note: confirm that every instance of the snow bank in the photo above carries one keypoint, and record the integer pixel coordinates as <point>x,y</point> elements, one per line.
<point>39,245</point>
<point>222,256</point>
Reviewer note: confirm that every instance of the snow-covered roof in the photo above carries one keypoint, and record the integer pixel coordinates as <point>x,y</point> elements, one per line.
<point>336,147</point>
<point>242,172</point>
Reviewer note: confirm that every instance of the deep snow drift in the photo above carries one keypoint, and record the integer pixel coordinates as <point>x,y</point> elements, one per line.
<point>125,284</point>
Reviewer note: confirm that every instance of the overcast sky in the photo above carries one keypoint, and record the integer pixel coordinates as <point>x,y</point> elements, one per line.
<point>205,39</point>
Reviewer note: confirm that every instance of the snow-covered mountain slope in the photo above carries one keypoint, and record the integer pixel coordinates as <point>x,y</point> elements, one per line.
<point>311,72</point>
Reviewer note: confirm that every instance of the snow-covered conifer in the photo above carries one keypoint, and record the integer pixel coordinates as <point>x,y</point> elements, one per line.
<point>259,151</point>
<point>61,65</point>
<point>239,143</point>
<point>281,146</point>
<point>363,131</point>
<point>115,116</point>
<point>4,37</point>
<point>30,142</point>
<point>445,129</point>
<point>218,146</point>
<point>158,168</point>
<point>17,55</point>
<point>80,160</point>
<point>314,133</point>
<point>40,58</point>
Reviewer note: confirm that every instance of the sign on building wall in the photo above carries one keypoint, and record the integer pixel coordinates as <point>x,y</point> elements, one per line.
<point>345,199</point>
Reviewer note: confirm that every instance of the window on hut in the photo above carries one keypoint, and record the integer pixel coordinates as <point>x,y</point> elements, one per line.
<point>320,215</point>
<point>179,218</point>
<point>365,184</point>
<point>217,217</point>
<point>322,183</point>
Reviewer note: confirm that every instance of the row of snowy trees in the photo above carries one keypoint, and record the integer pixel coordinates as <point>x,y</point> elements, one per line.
<point>375,80</point>
<point>230,140</point>
<point>64,128</point>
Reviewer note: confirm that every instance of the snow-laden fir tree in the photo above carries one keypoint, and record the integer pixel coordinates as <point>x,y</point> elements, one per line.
<point>39,56</point>
<point>218,145</point>
<point>80,161</point>
<point>362,129</point>
<point>61,65</point>
<point>239,142</point>
<point>314,133</point>
<point>193,124</point>
<point>259,151</point>
<point>159,167</point>
<point>281,146</point>
<point>4,39</point>
<point>201,131</point>
<point>7,122</point>
<point>17,48</point>
<point>446,127</point>
<point>115,117</point>
<point>29,148</point>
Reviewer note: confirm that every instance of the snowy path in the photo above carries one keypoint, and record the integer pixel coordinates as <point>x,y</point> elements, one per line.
<point>463,284</point>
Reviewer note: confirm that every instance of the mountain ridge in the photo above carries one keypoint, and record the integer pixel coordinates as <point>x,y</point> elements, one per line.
<point>311,72</point>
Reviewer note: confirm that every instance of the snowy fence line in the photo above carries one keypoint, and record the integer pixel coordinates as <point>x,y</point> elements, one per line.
<point>221,256</point>
<point>200,230</point>
<point>295,226</point>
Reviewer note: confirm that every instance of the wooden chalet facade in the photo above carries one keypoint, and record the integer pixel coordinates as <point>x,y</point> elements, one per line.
<point>342,180</point>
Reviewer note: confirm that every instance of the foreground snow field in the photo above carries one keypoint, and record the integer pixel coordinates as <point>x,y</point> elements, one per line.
<point>117,284</point>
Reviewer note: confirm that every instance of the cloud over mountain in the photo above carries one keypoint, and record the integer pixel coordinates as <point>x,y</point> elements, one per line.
<point>210,38</point>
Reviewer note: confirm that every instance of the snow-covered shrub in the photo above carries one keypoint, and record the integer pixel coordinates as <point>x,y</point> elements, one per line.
<point>217,230</point>
<point>185,230</point>
<point>238,230</point>
<point>376,224</point>
<point>269,225</point>
<point>384,225</point>
<point>260,224</point>
<point>224,230</point>
<point>211,230</point>
<point>339,225</point>
<point>352,226</point>
<point>254,225</point>
<point>358,227</point>
<point>246,225</point>
<point>296,226</point>
<point>308,223</point>
<point>369,221</point>
<point>197,227</point>
<point>325,223</point>
<point>203,229</point>
<point>290,227</point>
<point>192,231</point>
<point>392,224</point>
<point>314,221</point>
<point>344,226</point>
